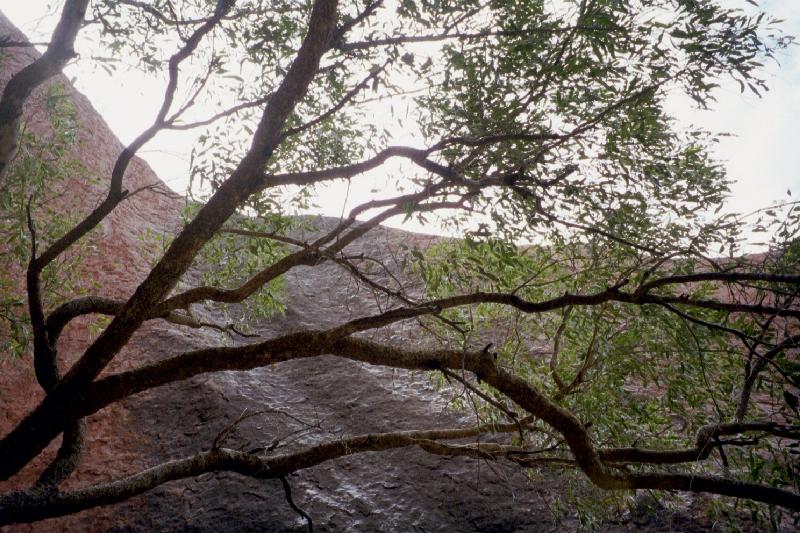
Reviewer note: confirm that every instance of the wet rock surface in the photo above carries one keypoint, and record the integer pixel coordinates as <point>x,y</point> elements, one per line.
<point>328,398</point>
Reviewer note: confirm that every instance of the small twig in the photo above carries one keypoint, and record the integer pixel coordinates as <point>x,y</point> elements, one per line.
<point>721,451</point>
<point>287,490</point>
<point>31,228</point>
<point>156,188</point>
<point>222,114</point>
<point>241,333</point>
<point>373,76</point>
<point>265,235</point>
<point>588,361</point>
<point>510,414</point>
<point>216,444</point>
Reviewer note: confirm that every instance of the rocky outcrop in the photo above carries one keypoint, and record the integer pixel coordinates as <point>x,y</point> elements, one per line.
<point>405,490</point>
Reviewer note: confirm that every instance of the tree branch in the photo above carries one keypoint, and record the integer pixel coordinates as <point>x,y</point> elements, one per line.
<point>19,88</point>
<point>29,506</point>
<point>116,193</point>
<point>757,368</point>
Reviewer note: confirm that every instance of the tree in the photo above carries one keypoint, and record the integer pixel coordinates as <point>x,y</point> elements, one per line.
<point>590,221</point>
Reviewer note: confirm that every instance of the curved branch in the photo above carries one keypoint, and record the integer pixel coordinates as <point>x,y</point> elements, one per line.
<point>29,506</point>
<point>705,441</point>
<point>48,375</point>
<point>716,485</point>
<point>310,255</point>
<point>22,84</point>
<point>68,311</point>
<point>88,305</point>
<point>612,294</point>
<point>67,458</point>
<point>730,277</point>
<point>308,344</point>
<point>346,171</point>
<point>217,116</point>
<point>287,491</point>
<point>116,193</point>
<point>174,21</point>
<point>416,155</point>
<point>757,368</point>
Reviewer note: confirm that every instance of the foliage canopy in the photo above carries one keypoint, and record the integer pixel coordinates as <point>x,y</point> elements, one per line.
<point>633,339</point>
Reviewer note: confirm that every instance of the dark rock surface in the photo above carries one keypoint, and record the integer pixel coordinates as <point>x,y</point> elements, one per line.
<point>403,490</point>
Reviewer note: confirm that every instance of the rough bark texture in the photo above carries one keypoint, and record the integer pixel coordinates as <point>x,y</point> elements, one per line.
<point>402,490</point>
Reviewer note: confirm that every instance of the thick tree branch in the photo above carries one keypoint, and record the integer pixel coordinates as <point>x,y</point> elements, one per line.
<point>715,485</point>
<point>306,344</point>
<point>29,506</point>
<point>67,458</point>
<point>705,442</point>
<point>48,375</point>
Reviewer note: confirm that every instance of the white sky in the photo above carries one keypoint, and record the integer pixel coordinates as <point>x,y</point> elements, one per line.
<point>762,156</point>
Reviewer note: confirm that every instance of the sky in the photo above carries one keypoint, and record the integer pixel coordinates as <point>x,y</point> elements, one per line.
<point>762,155</point>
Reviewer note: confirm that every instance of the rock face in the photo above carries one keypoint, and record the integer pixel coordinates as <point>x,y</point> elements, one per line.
<point>405,490</point>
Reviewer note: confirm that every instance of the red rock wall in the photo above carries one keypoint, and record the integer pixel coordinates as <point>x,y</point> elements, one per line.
<point>118,263</point>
